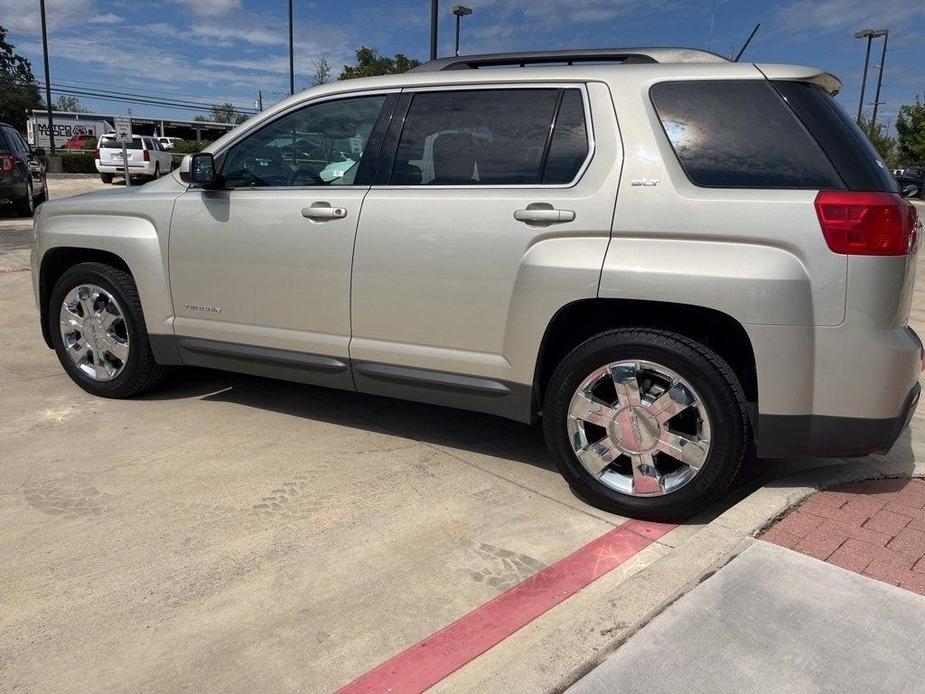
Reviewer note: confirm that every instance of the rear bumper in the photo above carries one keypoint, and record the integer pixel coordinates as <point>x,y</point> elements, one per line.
<point>147,168</point>
<point>787,436</point>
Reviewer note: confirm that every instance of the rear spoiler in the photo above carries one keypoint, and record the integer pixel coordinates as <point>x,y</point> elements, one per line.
<point>792,73</point>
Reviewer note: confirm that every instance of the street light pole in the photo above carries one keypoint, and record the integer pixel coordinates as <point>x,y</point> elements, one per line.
<point>51,125</point>
<point>870,35</point>
<point>433,29</point>
<point>460,11</point>
<point>886,36</point>
<point>291,61</point>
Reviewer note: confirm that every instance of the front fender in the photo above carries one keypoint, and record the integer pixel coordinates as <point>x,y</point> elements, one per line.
<point>133,227</point>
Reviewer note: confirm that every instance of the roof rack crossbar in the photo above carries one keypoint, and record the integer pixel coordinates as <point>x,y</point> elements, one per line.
<point>587,55</point>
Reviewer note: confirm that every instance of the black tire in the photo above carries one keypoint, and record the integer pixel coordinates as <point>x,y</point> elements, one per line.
<point>25,207</point>
<point>44,196</point>
<point>157,171</point>
<point>710,376</point>
<point>106,178</point>
<point>141,373</point>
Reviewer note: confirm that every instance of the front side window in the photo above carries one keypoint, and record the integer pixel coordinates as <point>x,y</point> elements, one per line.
<point>490,137</point>
<point>319,145</point>
<point>740,134</point>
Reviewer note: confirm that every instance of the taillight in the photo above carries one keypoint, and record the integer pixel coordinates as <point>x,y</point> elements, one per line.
<point>7,163</point>
<point>857,223</point>
<point>96,154</point>
<point>146,156</point>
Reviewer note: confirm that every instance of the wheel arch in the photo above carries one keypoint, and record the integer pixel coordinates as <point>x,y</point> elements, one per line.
<point>580,320</point>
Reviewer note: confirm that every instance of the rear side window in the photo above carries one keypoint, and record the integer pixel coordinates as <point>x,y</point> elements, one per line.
<point>568,148</point>
<point>740,134</point>
<point>490,137</point>
<point>844,143</point>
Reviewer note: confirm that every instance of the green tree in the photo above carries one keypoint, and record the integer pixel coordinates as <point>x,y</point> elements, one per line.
<point>885,145</point>
<point>910,134</point>
<point>18,88</point>
<point>71,104</point>
<point>223,113</point>
<point>369,64</point>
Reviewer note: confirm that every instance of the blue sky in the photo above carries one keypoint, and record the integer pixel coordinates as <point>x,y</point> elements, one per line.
<point>225,50</point>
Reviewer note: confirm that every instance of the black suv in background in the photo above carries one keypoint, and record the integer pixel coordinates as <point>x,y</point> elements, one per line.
<point>22,174</point>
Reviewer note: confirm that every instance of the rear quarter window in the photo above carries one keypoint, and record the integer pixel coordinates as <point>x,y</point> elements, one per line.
<point>740,134</point>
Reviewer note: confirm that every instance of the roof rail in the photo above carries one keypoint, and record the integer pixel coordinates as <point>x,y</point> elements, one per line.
<point>583,55</point>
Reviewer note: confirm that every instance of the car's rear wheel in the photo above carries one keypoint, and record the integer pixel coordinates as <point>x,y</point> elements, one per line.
<point>43,197</point>
<point>25,207</point>
<point>646,423</point>
<point>157,171</point>
<point>98,332</point>
<point>106,177</point>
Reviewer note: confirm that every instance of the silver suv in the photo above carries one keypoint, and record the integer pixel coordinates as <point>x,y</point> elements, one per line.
<point>670,258</point>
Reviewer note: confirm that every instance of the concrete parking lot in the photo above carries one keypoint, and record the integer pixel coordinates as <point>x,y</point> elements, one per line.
<point>229,533</point>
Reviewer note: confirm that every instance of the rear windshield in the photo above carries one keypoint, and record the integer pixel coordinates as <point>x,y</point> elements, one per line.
<point>112,143</point>
<point>846,145</point>
<point>740,134</point>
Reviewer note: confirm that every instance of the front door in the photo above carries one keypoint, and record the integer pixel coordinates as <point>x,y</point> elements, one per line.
<point>260,269</point>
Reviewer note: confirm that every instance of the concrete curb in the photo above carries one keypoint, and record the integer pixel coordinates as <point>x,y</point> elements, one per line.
<point>560,651</point>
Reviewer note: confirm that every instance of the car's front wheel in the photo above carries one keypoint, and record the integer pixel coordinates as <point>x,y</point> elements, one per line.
<point>646,423</point>
<point>98,331</point>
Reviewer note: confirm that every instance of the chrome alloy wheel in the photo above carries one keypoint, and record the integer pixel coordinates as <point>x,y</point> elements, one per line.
<point>639,428</point>
<point>94,333</point>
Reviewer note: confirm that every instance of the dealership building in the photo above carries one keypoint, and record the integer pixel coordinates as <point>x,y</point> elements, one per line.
<point>67,124</point>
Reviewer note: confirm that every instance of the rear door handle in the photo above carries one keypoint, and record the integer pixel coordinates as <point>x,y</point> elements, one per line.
<point>543,214</point>
<point>323,211</point>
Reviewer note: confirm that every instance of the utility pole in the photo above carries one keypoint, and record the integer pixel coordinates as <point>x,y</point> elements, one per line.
<point>291,60</point>
<point>259,100</point>
<point>712,20</point>
<point>870,35</point>
<point>433,29</point>
<point>48,104</point>
<point>886,37</point>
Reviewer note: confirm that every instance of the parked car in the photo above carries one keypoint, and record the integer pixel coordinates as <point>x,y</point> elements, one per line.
<point>912,181</point>
<point>146,157</point>
<point>168,142</point>
<point>81,142</point>
<point>22,174</point>
<point>670,258</point>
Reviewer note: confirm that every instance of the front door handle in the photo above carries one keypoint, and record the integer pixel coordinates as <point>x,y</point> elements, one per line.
<point>543,214</point>
<point>323,211</point>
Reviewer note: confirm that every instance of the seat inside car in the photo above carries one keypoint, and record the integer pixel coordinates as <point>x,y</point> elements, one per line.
<point>455,158</point>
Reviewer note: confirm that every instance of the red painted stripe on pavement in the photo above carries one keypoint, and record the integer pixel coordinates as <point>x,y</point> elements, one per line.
<point>429,661</point>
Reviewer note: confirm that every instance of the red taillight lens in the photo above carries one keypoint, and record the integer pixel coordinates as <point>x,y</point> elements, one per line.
<point>7,163</point>
<point>147,157</point>
<point>856,223</point>
<point>96,154</point>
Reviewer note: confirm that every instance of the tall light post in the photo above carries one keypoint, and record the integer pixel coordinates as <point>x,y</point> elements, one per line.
<point>51,126</point>
<point>886,37</point>
<point>460,11</point>
<point>870,35</point>
<point>433,29</point>
<point>291,60</point>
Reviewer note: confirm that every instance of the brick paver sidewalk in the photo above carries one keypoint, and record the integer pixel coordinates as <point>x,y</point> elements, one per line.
<point>876,528</point>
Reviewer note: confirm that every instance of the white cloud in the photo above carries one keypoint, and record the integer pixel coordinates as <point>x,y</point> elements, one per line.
<point>210,8</point>
<point>809,17</point>
<point>108,18</point>
<point>227,36</point>
<point>58,13</point>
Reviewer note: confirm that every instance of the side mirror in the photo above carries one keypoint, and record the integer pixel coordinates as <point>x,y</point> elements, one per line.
<point>199,170</point>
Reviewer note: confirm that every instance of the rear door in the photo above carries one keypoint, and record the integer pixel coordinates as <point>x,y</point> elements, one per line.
<point>492,208</point>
